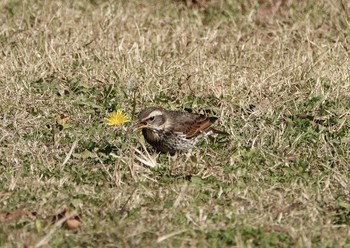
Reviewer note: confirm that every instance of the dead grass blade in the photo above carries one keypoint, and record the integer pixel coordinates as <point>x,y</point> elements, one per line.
<point>145,157</point>
<point>75,143</point>
<point>165,237</point>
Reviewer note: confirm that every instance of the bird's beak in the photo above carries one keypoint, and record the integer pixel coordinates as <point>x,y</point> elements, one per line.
<point>135,126</point>
<point>139,125</point>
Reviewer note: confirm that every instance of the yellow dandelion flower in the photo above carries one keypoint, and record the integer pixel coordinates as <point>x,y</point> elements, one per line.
<point>116,118</point>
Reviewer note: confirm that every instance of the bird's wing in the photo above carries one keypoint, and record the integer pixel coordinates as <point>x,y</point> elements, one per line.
<point>192,124</point>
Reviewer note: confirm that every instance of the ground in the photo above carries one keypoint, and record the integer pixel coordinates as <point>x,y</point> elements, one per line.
<point>277,78</point>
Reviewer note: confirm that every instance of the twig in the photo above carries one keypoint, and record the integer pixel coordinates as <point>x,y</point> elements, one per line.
<point>122,209</point>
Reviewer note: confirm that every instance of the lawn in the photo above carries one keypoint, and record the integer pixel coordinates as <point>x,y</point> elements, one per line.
<point>277,78</point>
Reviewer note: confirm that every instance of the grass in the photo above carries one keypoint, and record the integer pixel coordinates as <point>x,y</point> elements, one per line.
<point>279,86</point>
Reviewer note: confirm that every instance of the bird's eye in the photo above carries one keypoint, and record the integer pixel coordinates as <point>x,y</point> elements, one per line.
<point>151,118</point>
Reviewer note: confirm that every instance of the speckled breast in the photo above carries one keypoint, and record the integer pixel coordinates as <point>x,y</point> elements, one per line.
<point>170,141</point>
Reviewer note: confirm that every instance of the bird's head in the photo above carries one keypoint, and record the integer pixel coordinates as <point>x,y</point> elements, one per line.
<point>151,118</point>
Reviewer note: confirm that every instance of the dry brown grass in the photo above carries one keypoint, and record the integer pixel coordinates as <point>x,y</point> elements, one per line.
<point>280,86</point>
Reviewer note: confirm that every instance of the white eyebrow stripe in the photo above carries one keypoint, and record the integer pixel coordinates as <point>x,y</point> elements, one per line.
<point>154,113</point>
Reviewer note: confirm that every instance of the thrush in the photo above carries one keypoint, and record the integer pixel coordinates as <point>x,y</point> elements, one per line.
<point>171,131</point>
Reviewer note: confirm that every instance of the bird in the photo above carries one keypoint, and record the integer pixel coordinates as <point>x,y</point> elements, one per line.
<point>170,131</point>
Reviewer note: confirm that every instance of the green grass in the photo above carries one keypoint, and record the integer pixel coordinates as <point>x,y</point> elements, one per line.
<point>279,86</point>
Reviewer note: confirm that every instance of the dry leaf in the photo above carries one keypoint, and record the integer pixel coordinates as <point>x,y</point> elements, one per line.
<point>62,119</point>
<point>16,214</point>
<point>73,221</point>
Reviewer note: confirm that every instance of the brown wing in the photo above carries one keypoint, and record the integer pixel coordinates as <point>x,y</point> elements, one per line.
<point>192,124</point>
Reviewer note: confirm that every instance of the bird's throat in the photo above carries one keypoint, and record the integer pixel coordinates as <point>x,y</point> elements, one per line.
<point>150,135</point>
